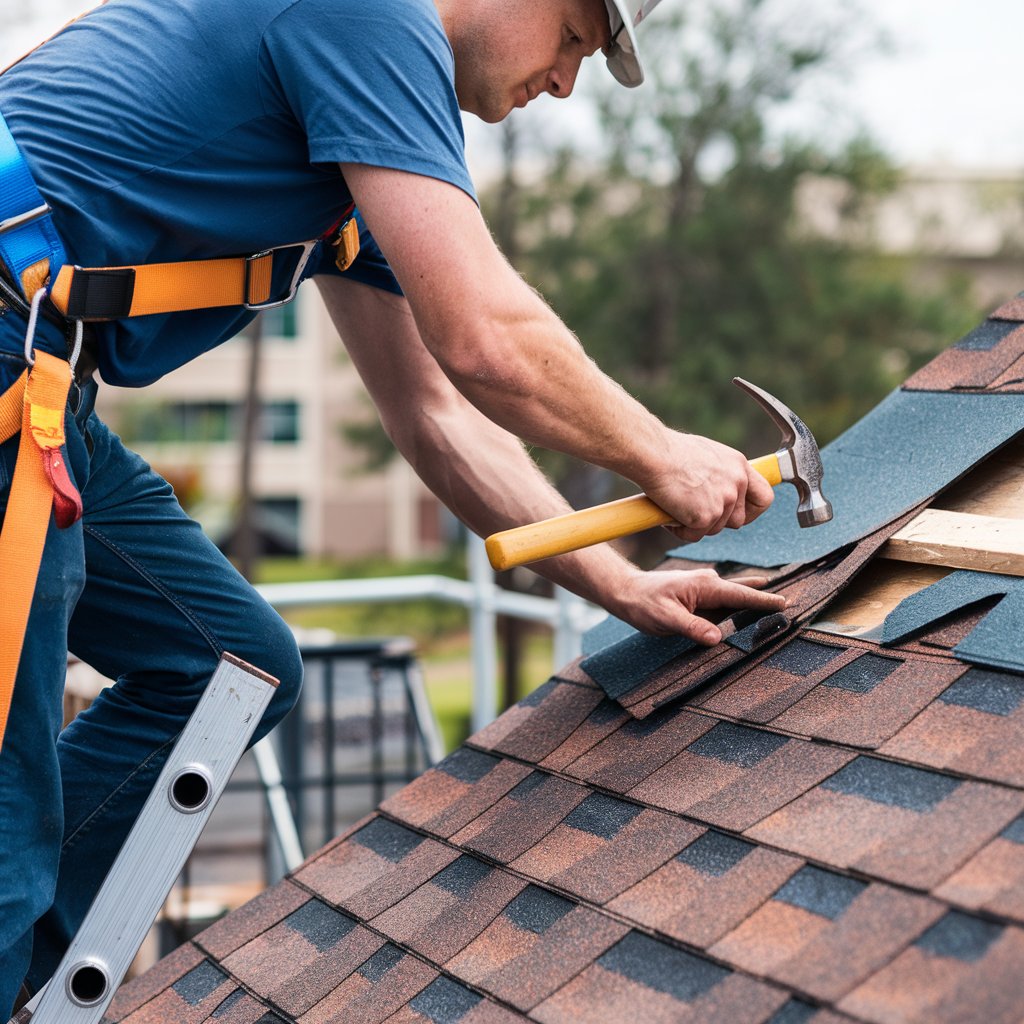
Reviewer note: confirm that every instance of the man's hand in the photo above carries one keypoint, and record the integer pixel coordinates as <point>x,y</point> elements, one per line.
<point>707,486</point>
<point>486,478</point>
<point>668,603</point>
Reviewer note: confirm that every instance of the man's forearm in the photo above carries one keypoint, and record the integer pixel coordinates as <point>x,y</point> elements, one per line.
<point>510,355</point>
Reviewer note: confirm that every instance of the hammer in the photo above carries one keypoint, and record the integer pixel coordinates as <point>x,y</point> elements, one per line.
<point>797,461</point>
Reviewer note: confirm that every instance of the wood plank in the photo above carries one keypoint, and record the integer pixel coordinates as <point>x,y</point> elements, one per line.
<point>864,604</point>
<point>960,540</point>
<point>993,488</point>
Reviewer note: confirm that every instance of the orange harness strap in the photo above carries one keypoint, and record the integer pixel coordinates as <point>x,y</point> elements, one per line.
<point>34,405</point>
<point>102,293</point>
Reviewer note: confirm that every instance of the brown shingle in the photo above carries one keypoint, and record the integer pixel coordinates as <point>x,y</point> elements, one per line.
<point>734,776</point>
<point>238,1008</point>
<point>190,1000</point>
<point>605,846</point>
<point>445,914</point>
<point>301,959</point>
<point>242,926</point>
<point>902,824</point>
<point>641,979</point>
<point>975,362</point>
<point>601,722</point>
<point>993,879</point>
<point>451,795</point>
<point>767,689</point>
<point>380,986</point>
<point>519,819</point>
<point>976,727</point>
<point>375,867</point>
<point>538,943</point>
<point>555,714</point>
<point>707,890</point>
<point>961,971</point>
<point>823,933</point>
<point>638,748</point>
<point>866,702</point>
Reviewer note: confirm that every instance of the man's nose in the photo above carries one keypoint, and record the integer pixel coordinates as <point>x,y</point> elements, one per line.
<point>562,79</point>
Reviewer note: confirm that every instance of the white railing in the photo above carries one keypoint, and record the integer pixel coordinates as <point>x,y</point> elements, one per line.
<point>567,615</point>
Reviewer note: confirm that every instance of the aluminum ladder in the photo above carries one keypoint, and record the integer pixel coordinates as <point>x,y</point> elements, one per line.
<point>156,849</point>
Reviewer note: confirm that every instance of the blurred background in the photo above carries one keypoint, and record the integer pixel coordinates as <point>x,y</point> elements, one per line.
<point>817,196</point>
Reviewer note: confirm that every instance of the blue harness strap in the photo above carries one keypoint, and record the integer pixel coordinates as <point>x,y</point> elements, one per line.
<point>27,232</point>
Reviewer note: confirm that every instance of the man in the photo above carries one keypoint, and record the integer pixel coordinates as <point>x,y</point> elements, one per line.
<point>195,129</point>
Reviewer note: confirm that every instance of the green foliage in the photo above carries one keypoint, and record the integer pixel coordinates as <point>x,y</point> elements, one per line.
<point>680,254</point>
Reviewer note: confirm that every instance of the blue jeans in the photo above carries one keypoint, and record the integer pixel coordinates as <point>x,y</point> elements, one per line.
<point>137,591</point>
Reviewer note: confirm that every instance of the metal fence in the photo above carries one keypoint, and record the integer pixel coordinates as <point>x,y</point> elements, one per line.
<point>362,728</point>
<point>568,616</point>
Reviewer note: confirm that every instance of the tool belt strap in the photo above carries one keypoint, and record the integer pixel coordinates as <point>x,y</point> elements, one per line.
<point>33,405</point>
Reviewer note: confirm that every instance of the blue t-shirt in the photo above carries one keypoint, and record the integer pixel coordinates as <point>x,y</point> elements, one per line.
<point>190,129</point>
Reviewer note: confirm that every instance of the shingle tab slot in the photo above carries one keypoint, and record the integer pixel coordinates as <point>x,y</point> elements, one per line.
<point>462,875</point>
<point>445,1001</point>
<point>321,925</point>
<point>225,1008</point>
<point>681,975</point>
<point>997,693</point>
<point>821,892</point>
<point>737,744</point>
<point>532,781</point>
<point>381,962</point>
<point>960,937</point>
<point>536,697</point>
<point>794,1012</point>
<point>536,910</point>
<point>715,853</point>
<point>195,986</point>
<point>985,337</point>
<point>1014,831</point>
<point>894,784</point>
<point>864,674</point>
<point>468,765</point>
<point>387,840</point>
<point>602,816</point>
<point>802,657</point>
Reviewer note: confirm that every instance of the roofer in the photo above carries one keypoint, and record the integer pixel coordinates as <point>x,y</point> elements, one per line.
<point>191,130</point>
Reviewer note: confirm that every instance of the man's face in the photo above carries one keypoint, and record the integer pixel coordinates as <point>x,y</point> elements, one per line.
<point>510,51</point>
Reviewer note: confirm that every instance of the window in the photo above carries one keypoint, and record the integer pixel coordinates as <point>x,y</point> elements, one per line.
<point>281,323</point>
<point>208,423</point>
<point>280,423</point>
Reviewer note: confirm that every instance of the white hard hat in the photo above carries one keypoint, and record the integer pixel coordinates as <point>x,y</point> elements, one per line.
<point>622,53</point>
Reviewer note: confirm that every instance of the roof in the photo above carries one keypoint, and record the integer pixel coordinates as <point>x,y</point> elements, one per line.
<point>820,819</point>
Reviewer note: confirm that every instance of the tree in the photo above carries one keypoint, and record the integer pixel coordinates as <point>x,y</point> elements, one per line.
<point>679,253</point>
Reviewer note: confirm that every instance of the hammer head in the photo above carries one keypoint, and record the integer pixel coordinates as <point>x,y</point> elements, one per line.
<point>799,457</point>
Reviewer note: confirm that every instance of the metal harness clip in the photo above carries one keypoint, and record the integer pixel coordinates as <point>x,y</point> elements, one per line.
<point>307,250</point>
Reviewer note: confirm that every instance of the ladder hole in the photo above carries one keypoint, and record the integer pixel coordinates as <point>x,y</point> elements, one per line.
<point>87,984</point>
<point>190,790</point>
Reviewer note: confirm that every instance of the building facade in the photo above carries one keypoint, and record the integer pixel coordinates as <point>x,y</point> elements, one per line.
<point>311,492</point>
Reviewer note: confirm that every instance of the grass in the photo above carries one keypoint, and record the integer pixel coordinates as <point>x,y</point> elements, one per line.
<point>439,630</point>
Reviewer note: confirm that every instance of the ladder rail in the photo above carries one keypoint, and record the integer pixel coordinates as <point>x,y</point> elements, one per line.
<point>156,849</point>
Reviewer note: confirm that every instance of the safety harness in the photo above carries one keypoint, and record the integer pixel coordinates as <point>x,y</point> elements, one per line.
<point>34,267</point>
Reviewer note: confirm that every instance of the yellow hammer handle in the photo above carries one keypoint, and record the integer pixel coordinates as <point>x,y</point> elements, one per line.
<point>768,467</point>
<point>574,530</point>
<point>589,526</point>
